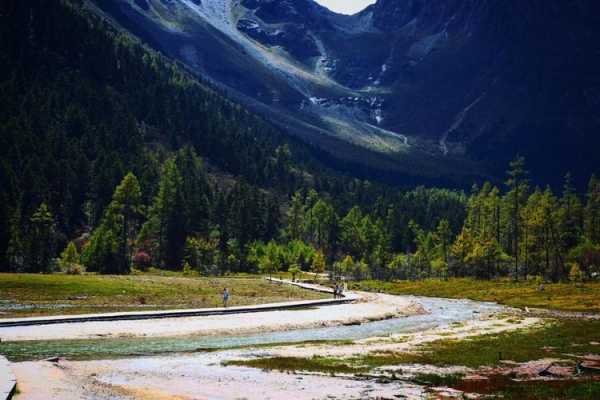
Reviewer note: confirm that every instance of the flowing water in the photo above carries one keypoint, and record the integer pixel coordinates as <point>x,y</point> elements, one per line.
<point>442,312</point>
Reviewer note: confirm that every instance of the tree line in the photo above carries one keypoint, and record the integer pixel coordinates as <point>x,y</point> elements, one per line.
<point>113,158</point>
<point>195,222</point>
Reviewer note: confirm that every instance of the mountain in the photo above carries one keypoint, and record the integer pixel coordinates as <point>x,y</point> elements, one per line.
<point>427,88</point>
<point>89,114</point>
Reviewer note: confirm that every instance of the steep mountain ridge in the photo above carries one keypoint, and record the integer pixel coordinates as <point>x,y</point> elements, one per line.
<point>417,87</point>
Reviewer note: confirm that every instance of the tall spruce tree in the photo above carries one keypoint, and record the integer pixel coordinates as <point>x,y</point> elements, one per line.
<point>518,185</point>
<point>295,217</point>
<point>124,215</point>
<point>41,240</point>
<point>165,228</point>
<point>592,211</point>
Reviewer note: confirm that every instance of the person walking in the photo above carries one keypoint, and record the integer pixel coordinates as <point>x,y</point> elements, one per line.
<point>225,297</point>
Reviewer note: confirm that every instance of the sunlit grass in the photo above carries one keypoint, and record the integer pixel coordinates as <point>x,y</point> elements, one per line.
<point>558,339</point>
<point>61,294</point>
<point>557,296</point>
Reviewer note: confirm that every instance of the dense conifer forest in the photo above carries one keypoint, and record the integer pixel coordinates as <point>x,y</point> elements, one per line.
<point>112,158</point>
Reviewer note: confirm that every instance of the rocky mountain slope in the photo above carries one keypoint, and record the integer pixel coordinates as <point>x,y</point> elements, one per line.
<point>432,88</point>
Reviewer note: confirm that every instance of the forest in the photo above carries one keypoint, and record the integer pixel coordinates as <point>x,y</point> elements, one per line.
<point>190,225</point>
<point>114,158</point>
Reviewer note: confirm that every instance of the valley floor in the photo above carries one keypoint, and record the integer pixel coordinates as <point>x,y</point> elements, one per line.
<point>368,307</point>
<point>25,295</point>
<point>568,297</point>
<point>471,348</point>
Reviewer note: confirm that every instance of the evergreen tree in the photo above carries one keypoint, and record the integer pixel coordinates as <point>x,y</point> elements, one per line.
<point>571,218</point>
<point>323,226</point>
<point>443,239</point>
<point>195,191</point>
<point>15,251</point>
<point>592,211</point>
<point>70,260</point>
<point>518,185</point>
<point>318,263</point>
<point>41,244</point>
<point>123,216</point>
<point>103,253</point>
<point>166,224</point>
<point>295,217</point>
<point>352,238</point>
<point>270,260</point>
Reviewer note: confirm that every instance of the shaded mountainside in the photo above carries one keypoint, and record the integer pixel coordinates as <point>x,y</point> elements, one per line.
<point>422,87</point>
<point>498,77</point>
<point>82,103</point>
<point>286,80</point>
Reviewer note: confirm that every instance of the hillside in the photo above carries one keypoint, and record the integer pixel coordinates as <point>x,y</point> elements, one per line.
<point>84,103</point>
<point>422,88</point>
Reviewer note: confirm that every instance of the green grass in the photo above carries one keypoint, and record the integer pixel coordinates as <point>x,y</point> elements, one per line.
<point>291,364</point>
<point>560,339</point>
<point>566,390</point>
<point>558,296</point>
<point>556,340</point>
<point>71,294</point>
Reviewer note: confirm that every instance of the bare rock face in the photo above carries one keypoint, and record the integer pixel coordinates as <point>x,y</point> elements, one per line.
<point>465,84</point>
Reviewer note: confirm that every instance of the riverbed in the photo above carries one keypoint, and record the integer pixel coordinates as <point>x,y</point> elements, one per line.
<point>190,366</point>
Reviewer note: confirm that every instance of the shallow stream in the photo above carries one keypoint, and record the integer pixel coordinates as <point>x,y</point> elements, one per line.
<point>442,312</point>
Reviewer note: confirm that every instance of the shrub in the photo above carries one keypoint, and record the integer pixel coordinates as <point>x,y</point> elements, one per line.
<point>74,269</point>
<point>142,260</point>
<point>576,275</point>
<point>69,261</point>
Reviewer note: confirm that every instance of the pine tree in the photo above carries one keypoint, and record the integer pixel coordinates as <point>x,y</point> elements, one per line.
<point>352,238</point>
<point>166,224</point>
<point>592,211</point>
<point>323,226</point>
<point>123,216</point>
<point>110,248</point>
<point>195,189</point>
<point>295,217</point>
<point>269,262</point>
<point>15,250</point>
<point>518,186</point>
<point>318,264</point>
<point>103,252</point>
<point>41,245</point>
<point>443,238</point>
<point>69,259</point>
<point>571,215</point>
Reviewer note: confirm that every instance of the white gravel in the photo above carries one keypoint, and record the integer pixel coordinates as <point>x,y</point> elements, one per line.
<point>368,307</point>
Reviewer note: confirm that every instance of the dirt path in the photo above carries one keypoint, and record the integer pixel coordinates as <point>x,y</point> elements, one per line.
<point>367,307</point>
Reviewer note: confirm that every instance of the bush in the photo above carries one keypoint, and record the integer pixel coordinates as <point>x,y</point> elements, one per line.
<point>142,260</point>
<point>188,270</point>
<point>69,261</point>
<point>74,269</point>
<point>576,275</point>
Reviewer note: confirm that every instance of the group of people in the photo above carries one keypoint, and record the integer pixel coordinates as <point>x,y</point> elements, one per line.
<point>338,291</point>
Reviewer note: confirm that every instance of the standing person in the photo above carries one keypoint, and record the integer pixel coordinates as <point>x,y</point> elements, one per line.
<point>225,297</point>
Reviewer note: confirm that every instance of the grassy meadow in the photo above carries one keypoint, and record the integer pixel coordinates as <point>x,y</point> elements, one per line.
<point>557,296</point>
<point>35,294</point>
